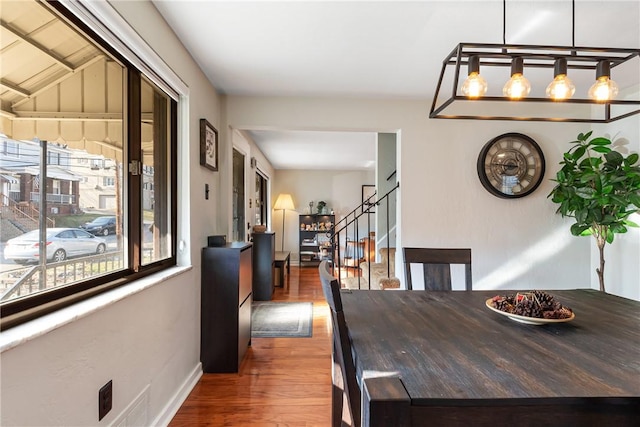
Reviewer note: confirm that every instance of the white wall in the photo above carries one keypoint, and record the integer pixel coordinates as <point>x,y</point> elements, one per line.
<point>341,190</point>
<point>147,343</point>
<point>386,167</point>
<point>516,244</point>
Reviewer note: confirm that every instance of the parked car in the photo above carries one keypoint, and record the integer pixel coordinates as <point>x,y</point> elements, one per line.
<point>61,244</point>
<point>102,225</point>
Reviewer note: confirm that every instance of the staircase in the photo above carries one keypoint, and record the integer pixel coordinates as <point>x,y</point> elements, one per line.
<point>357,242</point>
<point>18,218</point>
<point>8,230</point>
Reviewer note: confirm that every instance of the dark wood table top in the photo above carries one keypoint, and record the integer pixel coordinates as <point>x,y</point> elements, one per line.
<point>448,346</point>
<point>282,255</point>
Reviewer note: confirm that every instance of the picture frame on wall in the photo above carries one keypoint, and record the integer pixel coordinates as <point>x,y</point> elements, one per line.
<point>208,145</point>
<point>367,192</point>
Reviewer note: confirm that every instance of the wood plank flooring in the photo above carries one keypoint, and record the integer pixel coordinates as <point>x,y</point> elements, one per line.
<point>284,382</point>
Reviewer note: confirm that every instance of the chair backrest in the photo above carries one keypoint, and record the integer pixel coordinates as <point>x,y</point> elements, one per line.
<point>330,294</point>
<point>341,341</point>
<point>437,266</point>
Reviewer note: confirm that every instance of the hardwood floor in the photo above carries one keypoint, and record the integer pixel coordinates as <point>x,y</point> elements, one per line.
<point>282,381</point>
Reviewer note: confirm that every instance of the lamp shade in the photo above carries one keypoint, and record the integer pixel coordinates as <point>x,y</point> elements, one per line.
<point>284,201</point>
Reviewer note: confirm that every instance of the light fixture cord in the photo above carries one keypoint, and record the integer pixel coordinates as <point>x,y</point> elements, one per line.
<point>573,23</point>
<point>504,22</point>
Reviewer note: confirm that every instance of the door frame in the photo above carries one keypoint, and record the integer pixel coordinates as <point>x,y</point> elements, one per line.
<point>243,147</point>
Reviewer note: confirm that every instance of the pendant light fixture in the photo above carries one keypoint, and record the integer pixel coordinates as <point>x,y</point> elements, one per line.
<point>604,89</point>
<point>525,98</point>
<point>561,87</point>
<point>475,85</point>
<point>518,86</point>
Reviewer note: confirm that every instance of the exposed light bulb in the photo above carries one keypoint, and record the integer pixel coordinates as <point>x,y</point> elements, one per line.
<point>517,87</point>
<point>474,86</point>
<point>604,89</point>
<point>561,88</point>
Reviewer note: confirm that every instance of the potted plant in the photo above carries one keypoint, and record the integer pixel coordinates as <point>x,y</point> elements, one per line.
<point>600,189</point>
<point>321,206</point>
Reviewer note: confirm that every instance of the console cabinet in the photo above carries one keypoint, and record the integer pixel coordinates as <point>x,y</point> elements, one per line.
<point>264,258</point>
<point>225,312</point>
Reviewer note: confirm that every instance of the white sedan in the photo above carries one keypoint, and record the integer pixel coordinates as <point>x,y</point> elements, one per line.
<point>61,244</point>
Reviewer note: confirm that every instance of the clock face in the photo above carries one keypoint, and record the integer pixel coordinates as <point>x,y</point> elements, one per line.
<point>511,165</point>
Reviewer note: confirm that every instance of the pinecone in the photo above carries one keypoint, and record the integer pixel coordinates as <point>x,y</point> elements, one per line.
<point>538,304</point>
<point>561,313</point>
<point>504,304</point>
<point>528,307</point>
<point>546,301</point>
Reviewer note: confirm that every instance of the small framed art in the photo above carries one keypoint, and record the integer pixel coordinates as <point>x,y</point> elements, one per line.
<point>208,145</point>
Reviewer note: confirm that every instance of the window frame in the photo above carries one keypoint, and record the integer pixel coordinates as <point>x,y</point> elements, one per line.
<point>19,311</point>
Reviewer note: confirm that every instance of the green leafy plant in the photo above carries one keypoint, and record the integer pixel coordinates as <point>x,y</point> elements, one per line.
<point>321,205</point>
<point>600,188</point>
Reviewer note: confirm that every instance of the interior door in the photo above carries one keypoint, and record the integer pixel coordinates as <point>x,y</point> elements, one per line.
<point>238,227</point>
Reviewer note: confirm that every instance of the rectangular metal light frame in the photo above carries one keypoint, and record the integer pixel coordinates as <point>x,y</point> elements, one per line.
<point>534,56</point>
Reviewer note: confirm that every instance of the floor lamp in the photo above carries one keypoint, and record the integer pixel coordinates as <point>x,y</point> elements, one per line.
<point>284,202</point>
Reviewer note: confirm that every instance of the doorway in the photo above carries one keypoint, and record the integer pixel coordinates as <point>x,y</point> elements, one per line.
<point>261,200</point>
<point>238,230</point>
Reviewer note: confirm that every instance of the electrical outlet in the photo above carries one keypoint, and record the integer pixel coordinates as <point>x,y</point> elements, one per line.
<point>105,399</point>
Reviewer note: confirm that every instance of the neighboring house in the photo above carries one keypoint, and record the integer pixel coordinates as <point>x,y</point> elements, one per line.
<point>76,180</point>
<point>20,166</point>
<point>98,180</point>
<point>148,194</point>
<point>9,186</point>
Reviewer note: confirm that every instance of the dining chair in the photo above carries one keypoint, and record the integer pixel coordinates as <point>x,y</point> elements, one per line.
<point>341,352</point>
<point>436,266</point>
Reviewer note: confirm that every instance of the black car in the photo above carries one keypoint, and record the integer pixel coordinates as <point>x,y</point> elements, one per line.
<point>102,225</point>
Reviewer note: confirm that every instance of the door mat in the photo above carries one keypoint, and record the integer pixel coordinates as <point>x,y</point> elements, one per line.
<point>281,319</point>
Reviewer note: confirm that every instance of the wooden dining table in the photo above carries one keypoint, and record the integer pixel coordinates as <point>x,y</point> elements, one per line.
<point>445,359</point>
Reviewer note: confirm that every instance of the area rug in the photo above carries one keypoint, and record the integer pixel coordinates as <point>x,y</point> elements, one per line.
<point>281,319</point>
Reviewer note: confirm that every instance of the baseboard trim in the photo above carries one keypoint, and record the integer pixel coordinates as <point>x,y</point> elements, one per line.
<point>172,407</point>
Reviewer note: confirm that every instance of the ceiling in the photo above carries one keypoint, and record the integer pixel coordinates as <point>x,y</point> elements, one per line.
<point>53,81</point>
<point>38,51</point>
<point>382,49</point>
<point>288,149</point>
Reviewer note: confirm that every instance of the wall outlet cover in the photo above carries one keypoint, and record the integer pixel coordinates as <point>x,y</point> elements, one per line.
<point>105,399</point>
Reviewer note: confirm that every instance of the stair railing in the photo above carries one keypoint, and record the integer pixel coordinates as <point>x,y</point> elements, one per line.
<point>352,220</point>
<point>23,215</point>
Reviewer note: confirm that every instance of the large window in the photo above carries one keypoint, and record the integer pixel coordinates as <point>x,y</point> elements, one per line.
<point>156,173</point>
<point>87,172</point>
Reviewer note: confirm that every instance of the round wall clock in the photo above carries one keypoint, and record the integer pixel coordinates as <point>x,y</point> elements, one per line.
<point>511,165</point>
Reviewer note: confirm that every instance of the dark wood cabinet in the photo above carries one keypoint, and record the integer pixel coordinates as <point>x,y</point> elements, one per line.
<point>264,253</point>
<point>225,312</point>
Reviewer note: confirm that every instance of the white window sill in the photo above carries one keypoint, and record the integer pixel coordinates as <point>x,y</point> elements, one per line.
<point>28,331</point>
